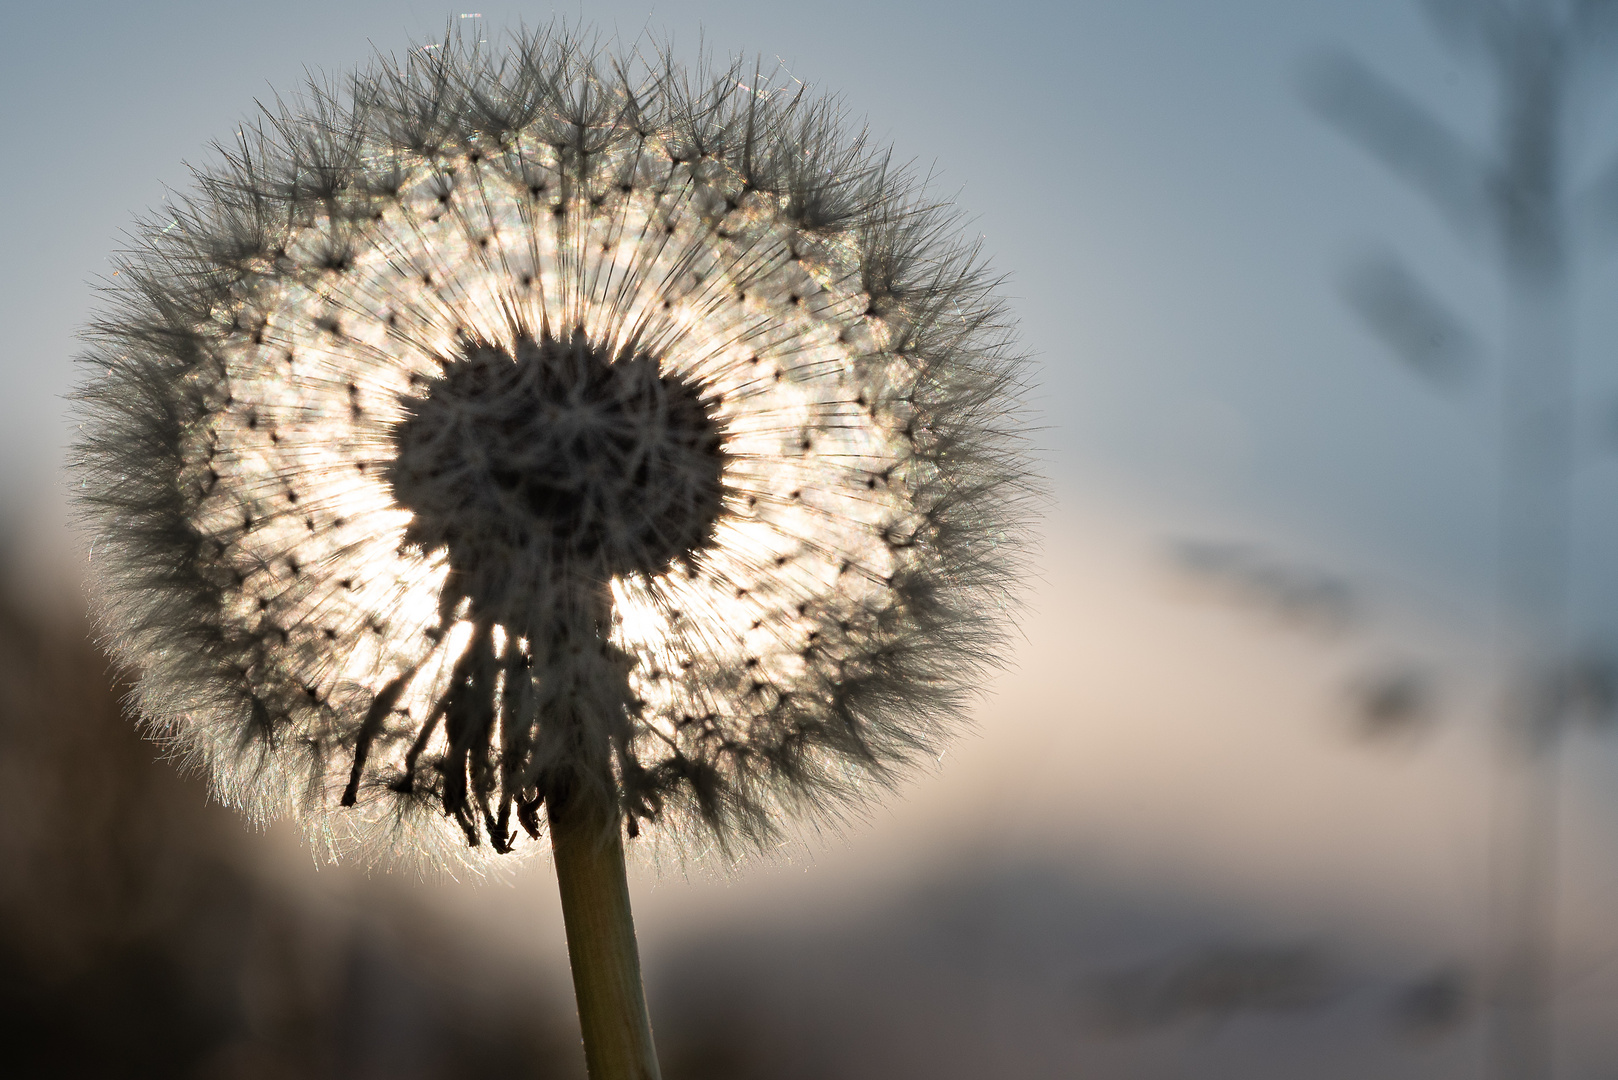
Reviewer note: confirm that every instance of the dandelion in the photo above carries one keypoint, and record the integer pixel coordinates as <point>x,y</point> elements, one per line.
<point>553,438</point>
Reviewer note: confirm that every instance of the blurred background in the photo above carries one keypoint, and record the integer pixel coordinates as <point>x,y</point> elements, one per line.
<point>1228,814</point>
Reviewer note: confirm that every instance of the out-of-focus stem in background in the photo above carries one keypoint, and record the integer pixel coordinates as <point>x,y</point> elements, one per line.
<point>1516,196</point>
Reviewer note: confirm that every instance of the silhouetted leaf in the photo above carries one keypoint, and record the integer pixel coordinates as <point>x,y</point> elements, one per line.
<point>1300,594</point>
<point>1434,1004</point>
<point>1404,136</point>
<point>1393,701</point>
<point>1215,983</point>
<point>1410,320</point>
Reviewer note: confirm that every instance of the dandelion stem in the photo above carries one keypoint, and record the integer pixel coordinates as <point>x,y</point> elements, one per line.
<point>601,943</point>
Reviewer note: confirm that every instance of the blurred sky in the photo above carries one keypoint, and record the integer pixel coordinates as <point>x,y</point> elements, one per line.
<point>1169,212</point>
<point>1171,218</point>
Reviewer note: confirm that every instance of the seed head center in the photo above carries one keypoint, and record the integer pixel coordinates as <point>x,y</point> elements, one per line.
<point>557,461</point>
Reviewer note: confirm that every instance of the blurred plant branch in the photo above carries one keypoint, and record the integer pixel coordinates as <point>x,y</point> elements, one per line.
<point>1517,196</point>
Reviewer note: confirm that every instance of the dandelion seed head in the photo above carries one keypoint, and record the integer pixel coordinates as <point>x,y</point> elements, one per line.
<point>526,425</point>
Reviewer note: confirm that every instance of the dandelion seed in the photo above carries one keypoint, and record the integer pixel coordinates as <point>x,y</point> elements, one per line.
<point>458,482</point>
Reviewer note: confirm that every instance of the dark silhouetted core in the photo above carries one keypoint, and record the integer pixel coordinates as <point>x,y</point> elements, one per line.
<point>586,464</point>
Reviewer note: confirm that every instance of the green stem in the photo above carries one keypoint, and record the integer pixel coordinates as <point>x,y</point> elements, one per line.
<point>601,943</point>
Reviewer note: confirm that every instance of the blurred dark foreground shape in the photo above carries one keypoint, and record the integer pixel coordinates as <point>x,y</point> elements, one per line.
<point>136,940</point>
<point>145,932</point>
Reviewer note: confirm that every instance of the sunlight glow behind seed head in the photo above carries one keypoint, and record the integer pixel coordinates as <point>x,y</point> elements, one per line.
<point>390,610</point>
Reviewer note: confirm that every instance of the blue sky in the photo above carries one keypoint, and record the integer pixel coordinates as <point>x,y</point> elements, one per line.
<point>1168,212</point>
